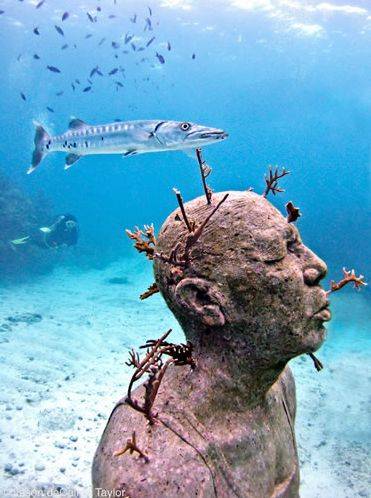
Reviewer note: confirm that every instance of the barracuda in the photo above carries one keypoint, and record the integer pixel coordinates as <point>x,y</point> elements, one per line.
<point>126,138</point>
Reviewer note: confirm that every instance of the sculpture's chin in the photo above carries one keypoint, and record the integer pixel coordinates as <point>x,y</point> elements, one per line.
<point>315,338</point>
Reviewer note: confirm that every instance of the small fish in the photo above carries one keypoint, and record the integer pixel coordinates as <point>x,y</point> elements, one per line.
<point>118,83</point>
<point>134,18</point>
<point>150,11</point>
<point>160,58</point>
<point>193,56</point>
<point>53,69</point>
<point>77,81</point>
<point>113,71</point>
<point>2,12</point>
<point>89,81</point>
<point>73,87</point>
<point>133,46</point>
<point>150,41</point>
<point>111,16</point>
<point>65,16</point>
<point>140,49</point>
<point>19,57</point>
<point>115,44</point>
<point>23,96</point>
<point>88,36</point>
<point>36,31</point>
<point>99,9</point>
<point>126,138</point>
<point>95,70</point>
<point>91,18</point>
<point>148,24</point>
<point>168,46</point>
<point>101,42</point>
<point>128,38</point>
<point>59,30</point>
<point>40,4</point>
<point>35,56</point>
<point>58,94</point>
<point>63,47</point>
<point>87,89</point>
<point>50,109</point>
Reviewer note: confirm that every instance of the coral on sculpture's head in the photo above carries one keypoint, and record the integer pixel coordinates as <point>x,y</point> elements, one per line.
<point>250,286</point>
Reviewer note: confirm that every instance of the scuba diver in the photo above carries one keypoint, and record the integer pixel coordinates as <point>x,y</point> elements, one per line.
<point>63,232</point>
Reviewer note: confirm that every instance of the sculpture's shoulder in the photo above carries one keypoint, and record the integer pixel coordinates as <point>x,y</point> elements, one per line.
<point>174,467</point>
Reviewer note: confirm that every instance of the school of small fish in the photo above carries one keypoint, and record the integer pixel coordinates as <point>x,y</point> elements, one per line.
<point>144,27</point>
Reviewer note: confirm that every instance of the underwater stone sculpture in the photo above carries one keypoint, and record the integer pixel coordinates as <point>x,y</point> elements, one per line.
<point>249,300</point>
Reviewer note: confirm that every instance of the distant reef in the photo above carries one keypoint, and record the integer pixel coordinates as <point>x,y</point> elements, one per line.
<point>20,215</point>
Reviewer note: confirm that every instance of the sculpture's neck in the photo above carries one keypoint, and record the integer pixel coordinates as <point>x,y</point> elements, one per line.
<point>227,378</point>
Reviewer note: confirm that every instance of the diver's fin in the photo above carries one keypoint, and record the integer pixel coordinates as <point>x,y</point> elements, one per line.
<point>76,124</point>
<point>22,240</point>
<point>71,159</point>
<point>130,152</point>
<point>41,137</point>
<point>45,229</point>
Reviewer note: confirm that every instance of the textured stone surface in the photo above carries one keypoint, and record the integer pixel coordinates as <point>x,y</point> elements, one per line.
<point>249,301</point>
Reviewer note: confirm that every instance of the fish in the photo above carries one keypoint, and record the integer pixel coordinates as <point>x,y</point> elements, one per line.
<point>58,94</point>
<point>59,30</point>
<point>63,47</point>
<point>36,56</point>
<point>50,109</point>
<point>150,41</point>
<point>89,35</point>
<point>101,42</point>
<point>65,16</point>
<point>128,38</point>
<point>150,11</point>
<point>23,96</point>
<point>134,18</point>
<point>193,56</point>
<point>40,4</point>
<point>168,46</point>
<point>87,89</point>
<point>53,69</point>
<point>91,18</point>
<point>2,12</point>
<point>115,44</point>
<point>160,58</point>
<point>36,31</point>
<point>113,71</point>
<point>95,70</point>
<point>127,138</point>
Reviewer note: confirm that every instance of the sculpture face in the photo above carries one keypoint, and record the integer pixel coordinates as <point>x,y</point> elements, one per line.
<point>251,279</point>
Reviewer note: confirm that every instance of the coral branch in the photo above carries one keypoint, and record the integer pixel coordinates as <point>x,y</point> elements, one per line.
<point>349,276</point>
<point>152,289</point>
<point>272,180</point>
<point>293,212</point>
<point>181,205</point>
<point>205,171</point>
<point>153,366</point>
<point>131,446</point>
<point>181,257</point>
<point>317,364</point>
<point>145,240</point>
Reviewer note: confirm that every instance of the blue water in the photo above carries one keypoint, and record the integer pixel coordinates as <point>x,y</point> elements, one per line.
<point>289,82</point>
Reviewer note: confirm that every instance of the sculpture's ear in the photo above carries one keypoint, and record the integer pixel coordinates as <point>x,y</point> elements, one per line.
<point>202,300</point>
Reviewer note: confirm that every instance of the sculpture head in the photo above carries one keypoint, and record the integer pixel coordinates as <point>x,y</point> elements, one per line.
<point>252,285</point>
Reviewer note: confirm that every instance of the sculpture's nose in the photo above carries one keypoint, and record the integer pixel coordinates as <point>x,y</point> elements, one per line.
<point>314,269</point>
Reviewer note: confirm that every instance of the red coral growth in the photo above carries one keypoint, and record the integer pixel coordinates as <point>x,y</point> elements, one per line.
<point>349,276</point>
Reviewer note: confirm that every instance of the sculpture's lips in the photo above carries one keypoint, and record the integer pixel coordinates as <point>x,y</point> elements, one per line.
<point>324,313</point>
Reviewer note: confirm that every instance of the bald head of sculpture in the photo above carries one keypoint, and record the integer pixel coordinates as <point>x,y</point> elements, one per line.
<point>251,285</point>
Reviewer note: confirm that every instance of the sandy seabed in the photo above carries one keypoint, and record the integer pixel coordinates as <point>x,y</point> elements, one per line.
<point>64,342</point>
